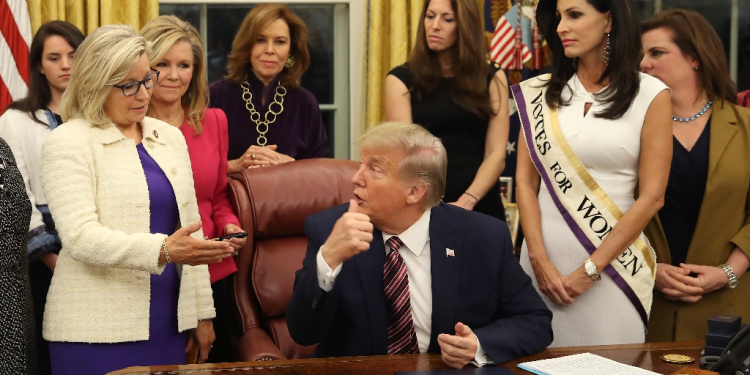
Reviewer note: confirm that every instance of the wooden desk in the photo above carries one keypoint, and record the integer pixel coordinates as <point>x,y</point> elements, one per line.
<point>641,355</point>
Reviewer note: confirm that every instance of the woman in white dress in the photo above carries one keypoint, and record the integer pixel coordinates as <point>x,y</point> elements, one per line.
<point>617,124</point>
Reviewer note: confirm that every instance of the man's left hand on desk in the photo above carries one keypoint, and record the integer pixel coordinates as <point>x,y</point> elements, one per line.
<point>459,349</point>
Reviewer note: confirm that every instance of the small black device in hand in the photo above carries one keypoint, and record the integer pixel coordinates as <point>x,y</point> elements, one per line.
<point>230,236</point>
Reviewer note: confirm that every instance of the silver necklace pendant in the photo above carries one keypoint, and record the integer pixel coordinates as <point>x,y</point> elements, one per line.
<point>697,115</point>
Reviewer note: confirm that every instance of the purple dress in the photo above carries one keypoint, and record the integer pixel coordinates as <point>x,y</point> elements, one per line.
<point>165,346</point>
<point>298,130</point>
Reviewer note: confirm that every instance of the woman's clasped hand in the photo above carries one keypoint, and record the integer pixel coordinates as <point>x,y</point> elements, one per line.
<point>257,156</point>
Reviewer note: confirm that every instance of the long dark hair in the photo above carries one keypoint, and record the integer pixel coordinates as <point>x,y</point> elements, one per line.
<point>470,68</point>
<point>695,37</point>
<point>40,93</point>
<point>623,72</point>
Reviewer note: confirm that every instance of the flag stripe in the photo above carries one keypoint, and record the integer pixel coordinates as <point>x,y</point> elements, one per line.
<point>502,50</point>
<point>14,82</point>
<point>15,39</point>
<point>20,12</point>
<point>5,97</point>
<point>18,47</point>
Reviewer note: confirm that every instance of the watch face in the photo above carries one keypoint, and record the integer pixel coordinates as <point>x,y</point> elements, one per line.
<point>733,283</point>
<point>590,268</point>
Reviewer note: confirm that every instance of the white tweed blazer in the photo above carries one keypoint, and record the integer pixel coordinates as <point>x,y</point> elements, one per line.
<point>96,191</point>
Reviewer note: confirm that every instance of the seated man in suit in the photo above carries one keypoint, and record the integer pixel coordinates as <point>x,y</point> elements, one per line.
<point>397,271</point>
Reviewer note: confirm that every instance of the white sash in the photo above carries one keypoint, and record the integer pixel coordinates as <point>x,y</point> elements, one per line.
<point>586,208</point>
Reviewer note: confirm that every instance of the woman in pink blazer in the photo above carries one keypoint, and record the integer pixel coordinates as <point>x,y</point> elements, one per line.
<point>180,98</point>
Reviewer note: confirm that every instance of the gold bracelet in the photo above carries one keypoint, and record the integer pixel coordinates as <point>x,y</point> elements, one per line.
<point>164,248</point>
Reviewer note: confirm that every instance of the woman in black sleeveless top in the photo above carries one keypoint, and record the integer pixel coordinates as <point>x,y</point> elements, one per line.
<point>448,87</point>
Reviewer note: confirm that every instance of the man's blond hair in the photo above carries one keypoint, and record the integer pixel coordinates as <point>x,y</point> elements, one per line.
<point>425,157</point>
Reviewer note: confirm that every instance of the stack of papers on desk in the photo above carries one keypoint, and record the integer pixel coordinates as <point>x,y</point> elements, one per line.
<point>581,364</point>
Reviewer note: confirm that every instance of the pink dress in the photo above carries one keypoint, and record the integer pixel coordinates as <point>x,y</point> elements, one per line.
<point>208,156</point>
<point>743,99</point>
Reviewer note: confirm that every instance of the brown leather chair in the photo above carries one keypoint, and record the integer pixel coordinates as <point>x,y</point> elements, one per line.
<point>272,204</point>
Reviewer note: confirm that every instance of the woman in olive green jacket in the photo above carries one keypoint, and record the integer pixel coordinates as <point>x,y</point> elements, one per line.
<point>702,234</point>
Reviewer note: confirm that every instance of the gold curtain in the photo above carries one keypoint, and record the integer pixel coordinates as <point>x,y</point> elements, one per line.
<point>87,15</point>
<point>391,33</point>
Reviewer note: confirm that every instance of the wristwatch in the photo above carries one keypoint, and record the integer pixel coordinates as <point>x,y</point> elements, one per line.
<point>733,280</point>
<point>590,268</point>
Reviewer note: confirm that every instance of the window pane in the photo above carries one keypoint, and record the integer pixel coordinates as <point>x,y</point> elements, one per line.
<point>190,13</point>
<point>717,12</point>
<point>644,9</point>
<point>328,124</point>
<point>223,21</point>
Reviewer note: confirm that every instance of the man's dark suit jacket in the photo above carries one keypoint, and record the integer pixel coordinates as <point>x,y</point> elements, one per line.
<point>482,286</point>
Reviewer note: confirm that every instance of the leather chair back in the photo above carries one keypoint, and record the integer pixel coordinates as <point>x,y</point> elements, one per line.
<point>272,204</point>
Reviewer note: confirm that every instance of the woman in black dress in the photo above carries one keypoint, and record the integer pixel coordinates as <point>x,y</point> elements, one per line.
<point>448,87</point>
<point>16,308</point>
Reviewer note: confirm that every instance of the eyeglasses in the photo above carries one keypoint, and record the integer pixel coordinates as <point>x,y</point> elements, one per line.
<point>130,89</point>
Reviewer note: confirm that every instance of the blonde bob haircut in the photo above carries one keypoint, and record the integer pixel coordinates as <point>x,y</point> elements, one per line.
<point>255,22</point>
<point>161,33</point>
<point>425,158</point>
<point>103,59</point>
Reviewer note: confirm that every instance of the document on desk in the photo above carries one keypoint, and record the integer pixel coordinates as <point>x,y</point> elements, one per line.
<point>581,364</point>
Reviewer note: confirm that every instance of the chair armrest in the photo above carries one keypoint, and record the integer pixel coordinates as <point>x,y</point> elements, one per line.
<point>256,345</point>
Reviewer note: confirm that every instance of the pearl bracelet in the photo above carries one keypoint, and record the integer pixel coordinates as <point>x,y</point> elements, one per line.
<point>164,248</point>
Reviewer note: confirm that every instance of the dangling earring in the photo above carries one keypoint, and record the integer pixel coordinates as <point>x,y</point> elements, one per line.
<point>607,51</point>
<point>289,61</point>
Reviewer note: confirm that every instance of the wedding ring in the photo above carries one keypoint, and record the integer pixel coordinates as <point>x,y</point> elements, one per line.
<point>252,156</point>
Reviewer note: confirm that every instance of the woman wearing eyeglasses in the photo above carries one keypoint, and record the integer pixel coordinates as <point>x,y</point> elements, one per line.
<point>129,287</point>
<point>24,125</point>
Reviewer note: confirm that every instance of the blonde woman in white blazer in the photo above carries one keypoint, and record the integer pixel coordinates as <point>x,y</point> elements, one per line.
<point>125,292</point>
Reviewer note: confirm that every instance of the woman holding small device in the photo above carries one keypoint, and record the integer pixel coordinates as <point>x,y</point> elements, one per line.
<point>180,98</point>
<point>128,289</point>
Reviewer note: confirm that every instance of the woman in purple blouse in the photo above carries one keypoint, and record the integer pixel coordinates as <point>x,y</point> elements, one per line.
<point>271,118</point>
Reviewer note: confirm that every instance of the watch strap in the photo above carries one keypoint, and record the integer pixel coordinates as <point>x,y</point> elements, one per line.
<point>590,268</point>
<point>733,281</point>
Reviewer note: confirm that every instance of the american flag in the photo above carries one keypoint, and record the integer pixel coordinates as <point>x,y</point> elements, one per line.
<point>15,39</point>
<point>503,45</point>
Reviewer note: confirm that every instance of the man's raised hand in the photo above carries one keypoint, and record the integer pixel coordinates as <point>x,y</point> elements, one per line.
<point>350,236</point>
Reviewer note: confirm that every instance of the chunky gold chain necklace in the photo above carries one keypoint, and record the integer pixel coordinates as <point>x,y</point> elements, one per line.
<point>262,125</point>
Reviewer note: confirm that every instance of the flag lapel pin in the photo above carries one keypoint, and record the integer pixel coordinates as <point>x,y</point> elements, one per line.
<point>450,252</point>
